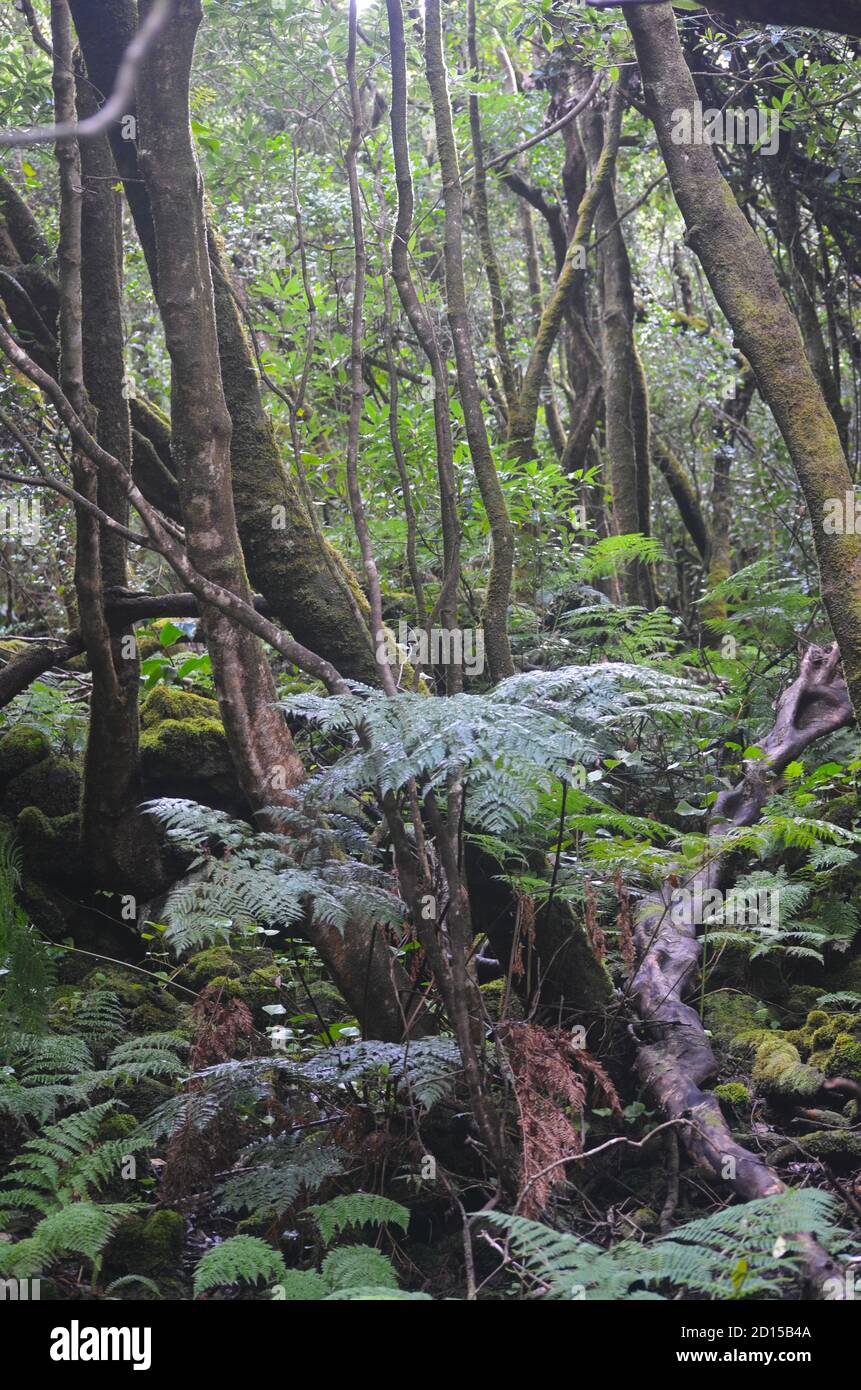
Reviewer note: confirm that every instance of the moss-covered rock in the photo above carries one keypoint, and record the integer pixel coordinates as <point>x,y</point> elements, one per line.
<point>734,1094</point>
<point>51,844</point>
<point>728,1013</point>
<point>189,755</point>
<point>830,1042</point>
<point>52,784</point>
<point>206,965</point>
<point>130,987</point>
<point>168,702</point>
<point>150,1245</point>
<point>44,909</point>
<point>21,748</point>
<point>780,1074</point>
<point>798,1002</point>
<point>158,1013</point>
<point>839,1148</point>
<point>844,1058</point>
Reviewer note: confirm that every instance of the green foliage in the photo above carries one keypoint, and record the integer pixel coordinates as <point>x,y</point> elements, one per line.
<point>257,885</point>
<point>358,1209</point>
<point>25,969</point>
<point>508,746</point>
<point>358,1266</point>
<point>79,1228</point>
<point>427,1068</point>
<point>99,1017</point>
<point>67,1160</point>
<point>239,1259</point>
<point>277,1184</point>
<point>745,1251</point>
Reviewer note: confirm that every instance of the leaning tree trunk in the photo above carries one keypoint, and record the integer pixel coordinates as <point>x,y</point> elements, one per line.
<point>742,278</point>
<point>676,1060</point>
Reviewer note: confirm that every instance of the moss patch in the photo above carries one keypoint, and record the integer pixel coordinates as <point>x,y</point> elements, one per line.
<point>166,702</point>
<point>188,750</point>
<point>149,1245</point>
<point>52,784</point>
<point>51,844</point>
<point>21,748</point>
<point>780,1074</point>
<point>733,1093</point>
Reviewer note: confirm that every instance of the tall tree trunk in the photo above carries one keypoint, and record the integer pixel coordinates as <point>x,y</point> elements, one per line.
<point>120,845</point>
<point>267,764</point>
<point>502,533</point>
<point>626,399</point>
<point>742,278</point>
<point>307,585</point>
<point>802,279</point>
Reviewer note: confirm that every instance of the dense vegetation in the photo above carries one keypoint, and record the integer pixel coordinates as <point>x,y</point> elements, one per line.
<point>431,650</point>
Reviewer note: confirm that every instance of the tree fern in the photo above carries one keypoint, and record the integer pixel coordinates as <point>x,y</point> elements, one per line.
<point>258,884</point>
<point>508,745</point>
<point>428,1068</point>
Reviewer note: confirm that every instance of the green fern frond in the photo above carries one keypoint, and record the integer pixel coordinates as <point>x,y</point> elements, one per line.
<point>153,1054</point>
<point>240,1259</point>
<point>730,1254</point>
<point>357,1209</point>
<point>265,1187</point>
<point>353,1266</point>
<point>81,1228</point>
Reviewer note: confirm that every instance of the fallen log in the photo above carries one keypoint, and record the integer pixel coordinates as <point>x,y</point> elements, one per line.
<point>675,1059</point>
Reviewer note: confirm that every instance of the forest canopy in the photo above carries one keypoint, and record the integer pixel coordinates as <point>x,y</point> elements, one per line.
<point>430,650</point>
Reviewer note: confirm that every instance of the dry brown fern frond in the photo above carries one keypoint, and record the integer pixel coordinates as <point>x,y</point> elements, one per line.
<point>550,1094</point>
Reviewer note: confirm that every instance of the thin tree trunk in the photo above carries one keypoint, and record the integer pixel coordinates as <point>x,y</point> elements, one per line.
<point>502,534</point>
<point>424,329</point>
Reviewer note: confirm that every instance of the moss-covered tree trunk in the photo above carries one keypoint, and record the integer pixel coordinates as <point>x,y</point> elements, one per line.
<point>626,397</point>
<point>742,278</point>
<point>502,533</point>
<point>119,845</point>
<point>267,764</point>
<point>307,585</point>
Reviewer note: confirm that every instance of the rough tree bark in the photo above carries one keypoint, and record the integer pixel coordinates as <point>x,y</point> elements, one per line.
<point>119,845</point>
<point>626,396</point>
<point>267,764</point>
<point>307,586</point>
<point>676,1060</point>
<point>742,278</point>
